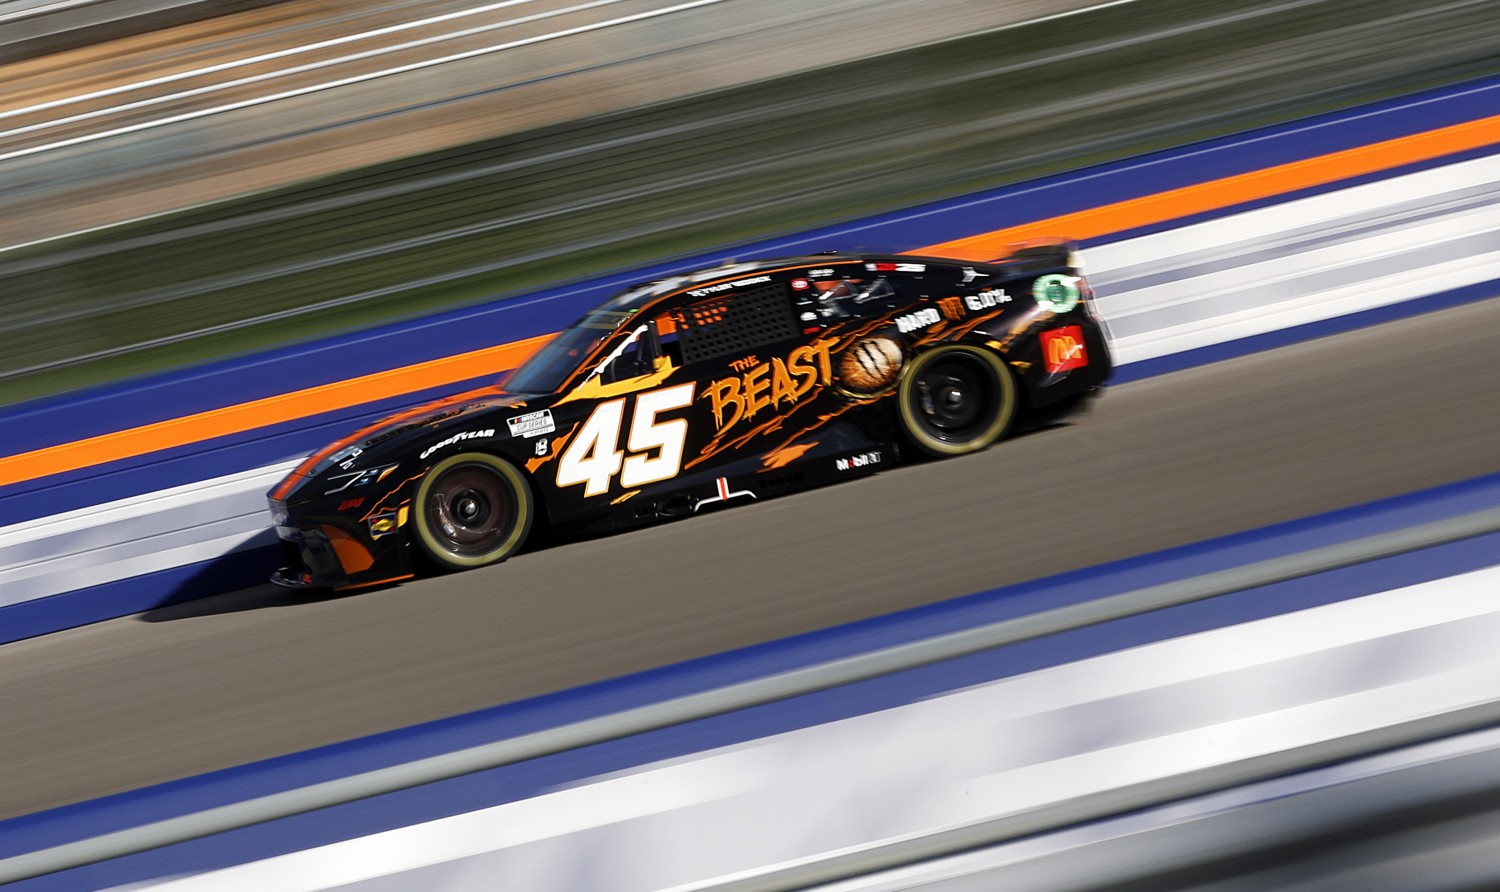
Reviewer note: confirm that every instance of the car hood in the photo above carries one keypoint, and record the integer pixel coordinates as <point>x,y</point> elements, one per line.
<point>367,446</point>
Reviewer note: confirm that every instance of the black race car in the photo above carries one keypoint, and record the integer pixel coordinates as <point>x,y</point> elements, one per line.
<point>738,382</point>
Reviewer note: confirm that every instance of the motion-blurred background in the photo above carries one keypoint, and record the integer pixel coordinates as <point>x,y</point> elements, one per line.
<point>185,180</point>
<point>188,180</point>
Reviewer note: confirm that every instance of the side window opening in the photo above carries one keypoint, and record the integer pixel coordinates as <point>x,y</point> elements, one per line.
<point>635,356</point>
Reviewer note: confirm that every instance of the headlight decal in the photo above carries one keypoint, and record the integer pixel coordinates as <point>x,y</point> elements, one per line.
<point>357,479</point>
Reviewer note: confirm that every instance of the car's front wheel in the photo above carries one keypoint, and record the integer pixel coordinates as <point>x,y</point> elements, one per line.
<point>955,400</point>
<point>472,509</point>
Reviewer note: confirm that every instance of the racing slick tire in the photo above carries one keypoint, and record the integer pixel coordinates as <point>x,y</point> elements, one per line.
<point>472,509</point>
<point>956,399</point>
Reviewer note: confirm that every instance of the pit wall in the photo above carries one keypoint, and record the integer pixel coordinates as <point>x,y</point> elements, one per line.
<point>150,492</point>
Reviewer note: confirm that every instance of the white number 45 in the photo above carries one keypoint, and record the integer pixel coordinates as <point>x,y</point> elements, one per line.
<point>594,457</point>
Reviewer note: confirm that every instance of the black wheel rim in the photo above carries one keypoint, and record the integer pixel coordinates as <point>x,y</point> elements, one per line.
<point>955,399</point>
<point>470,510</point>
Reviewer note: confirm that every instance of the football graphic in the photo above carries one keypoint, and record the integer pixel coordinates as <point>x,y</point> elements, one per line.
<point>870,366</point>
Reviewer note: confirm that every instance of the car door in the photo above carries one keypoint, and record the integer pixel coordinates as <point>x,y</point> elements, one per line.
<point>632,410</point>
<point>703,385</point>
<point>757,365</point>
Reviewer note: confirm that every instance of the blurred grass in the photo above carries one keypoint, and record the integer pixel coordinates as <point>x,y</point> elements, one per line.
<point>563,203</point>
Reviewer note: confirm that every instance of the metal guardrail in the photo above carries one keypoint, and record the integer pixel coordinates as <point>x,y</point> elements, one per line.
<point>1099,806</point>
<point>841,672</point>
<point>1420,816</point>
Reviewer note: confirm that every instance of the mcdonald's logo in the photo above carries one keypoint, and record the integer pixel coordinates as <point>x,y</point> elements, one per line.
<point>1062,349</point>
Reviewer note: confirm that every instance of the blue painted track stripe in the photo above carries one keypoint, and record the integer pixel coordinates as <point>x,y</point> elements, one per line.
<point>520,781</point>
<point>83,820</point>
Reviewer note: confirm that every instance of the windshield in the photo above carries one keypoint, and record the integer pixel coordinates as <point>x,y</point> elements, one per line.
<point>550,366</point>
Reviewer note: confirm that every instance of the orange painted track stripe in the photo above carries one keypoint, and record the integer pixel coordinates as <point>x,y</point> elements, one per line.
<point>1091,223</point>
<point>263,412</point>
<point>1215,194</point>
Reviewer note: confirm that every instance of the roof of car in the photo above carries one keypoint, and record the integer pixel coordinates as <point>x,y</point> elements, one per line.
<point>640,296</point>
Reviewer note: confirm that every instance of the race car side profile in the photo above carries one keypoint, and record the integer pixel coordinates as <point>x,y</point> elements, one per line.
<point>738,382</point>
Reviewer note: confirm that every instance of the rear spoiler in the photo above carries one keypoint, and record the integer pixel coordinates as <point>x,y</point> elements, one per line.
<point>1040,255</point>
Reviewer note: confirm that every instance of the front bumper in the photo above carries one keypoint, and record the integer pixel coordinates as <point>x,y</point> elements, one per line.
<point>294,578</point>
<point>311,562</point>
<point>323,549</point>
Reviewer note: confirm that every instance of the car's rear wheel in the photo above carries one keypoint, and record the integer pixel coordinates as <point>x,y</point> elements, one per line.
<point>955,400</point>
<point>472,509</point>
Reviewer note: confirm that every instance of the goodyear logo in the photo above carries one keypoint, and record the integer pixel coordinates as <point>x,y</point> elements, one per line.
<point>457,438</point>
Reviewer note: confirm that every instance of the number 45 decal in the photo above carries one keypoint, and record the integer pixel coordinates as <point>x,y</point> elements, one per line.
<point>594,457</point>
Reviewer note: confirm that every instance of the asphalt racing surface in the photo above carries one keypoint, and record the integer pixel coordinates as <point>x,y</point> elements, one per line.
<point>1162,462</point>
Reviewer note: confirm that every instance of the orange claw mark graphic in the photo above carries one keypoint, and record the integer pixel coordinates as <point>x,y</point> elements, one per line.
<point>769,426</point>
<point>380,506</point>
<point>819,422</point>
<point>785,455</point>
